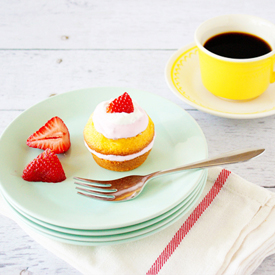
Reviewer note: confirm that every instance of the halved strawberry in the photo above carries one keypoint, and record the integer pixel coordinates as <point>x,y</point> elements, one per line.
<point>45,167</point>
<point>121,104</point>
<point>54,135</point>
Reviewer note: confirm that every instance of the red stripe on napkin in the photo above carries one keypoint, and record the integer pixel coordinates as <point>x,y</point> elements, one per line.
<point>188,224</point>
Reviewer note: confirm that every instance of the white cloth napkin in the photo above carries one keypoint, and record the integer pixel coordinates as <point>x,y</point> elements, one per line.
<point>231,230</point>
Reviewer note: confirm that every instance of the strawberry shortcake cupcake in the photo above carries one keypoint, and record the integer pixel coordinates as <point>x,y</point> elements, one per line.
<point>119,134</point>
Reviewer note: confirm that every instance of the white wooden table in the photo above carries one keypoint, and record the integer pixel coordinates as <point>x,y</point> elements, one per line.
<point>51,47</point>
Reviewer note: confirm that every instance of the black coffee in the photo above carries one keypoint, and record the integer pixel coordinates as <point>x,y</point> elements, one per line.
<point>237,45</point>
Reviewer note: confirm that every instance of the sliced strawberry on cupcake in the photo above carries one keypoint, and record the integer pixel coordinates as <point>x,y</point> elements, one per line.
<point>45,167</point>
<point>53,135</point>
<point>122,104</point>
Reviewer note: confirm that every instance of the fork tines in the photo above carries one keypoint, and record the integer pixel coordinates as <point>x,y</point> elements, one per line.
<point>95,189</point>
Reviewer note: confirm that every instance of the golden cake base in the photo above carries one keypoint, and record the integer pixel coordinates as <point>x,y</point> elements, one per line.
<point>121,166</point>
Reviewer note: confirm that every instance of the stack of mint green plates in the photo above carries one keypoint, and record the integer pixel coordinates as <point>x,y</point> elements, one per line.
<point>55,210</point>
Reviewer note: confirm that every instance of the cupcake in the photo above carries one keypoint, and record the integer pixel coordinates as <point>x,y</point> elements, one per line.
<point>119,134</point>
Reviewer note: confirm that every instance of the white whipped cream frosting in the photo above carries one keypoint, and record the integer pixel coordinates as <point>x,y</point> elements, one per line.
<point>119,125</point>
<point>122,158</point>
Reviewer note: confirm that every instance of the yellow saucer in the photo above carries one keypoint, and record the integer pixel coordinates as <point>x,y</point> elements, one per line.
<point>183,76</point>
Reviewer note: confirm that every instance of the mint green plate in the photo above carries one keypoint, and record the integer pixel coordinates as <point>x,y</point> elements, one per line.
<point>110,232</point>
<point>179,140</point>
<point>116,238</point>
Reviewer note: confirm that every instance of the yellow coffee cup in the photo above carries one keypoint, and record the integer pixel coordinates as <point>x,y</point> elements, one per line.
<point>236,78</point>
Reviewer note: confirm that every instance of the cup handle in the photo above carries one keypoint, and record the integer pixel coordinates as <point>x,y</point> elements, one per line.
<point>272,78</point>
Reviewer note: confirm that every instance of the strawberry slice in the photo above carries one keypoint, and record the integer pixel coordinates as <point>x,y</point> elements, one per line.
<point>54,135</point>
<point>45,167</point>
<point>122,104</point>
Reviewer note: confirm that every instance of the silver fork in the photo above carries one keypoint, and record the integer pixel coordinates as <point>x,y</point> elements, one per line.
<point>129,187</point>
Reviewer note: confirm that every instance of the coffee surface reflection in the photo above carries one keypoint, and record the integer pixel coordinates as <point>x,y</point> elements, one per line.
<point>237,45</point>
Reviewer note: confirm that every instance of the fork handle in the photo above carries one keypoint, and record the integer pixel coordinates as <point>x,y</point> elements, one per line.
<point>226,158</point>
